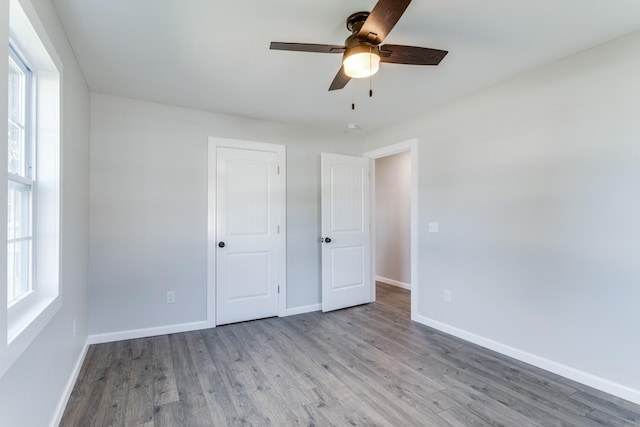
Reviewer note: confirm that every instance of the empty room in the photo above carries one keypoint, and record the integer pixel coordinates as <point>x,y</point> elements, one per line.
<point>373,212</point>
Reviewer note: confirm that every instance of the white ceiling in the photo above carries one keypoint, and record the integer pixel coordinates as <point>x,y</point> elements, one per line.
<point>214,55</point>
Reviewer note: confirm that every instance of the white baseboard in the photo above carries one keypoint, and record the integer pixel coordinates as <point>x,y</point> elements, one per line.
<point>66,394</point>
<point>304,309</point>
<point>182,327</point>
<point>582,377</point>
<point>393,282</point>
<point>147,332</point>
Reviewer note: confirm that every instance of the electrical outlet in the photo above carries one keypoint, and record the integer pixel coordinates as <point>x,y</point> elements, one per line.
<point>75,327</point>
<point>433,227</point>
<point>171,297</point>
<point>446,295</point>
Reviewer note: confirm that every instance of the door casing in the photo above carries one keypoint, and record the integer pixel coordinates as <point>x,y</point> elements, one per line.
<point>411,146</point>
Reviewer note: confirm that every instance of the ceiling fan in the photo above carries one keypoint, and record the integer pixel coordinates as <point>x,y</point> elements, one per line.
<point>362,52</point>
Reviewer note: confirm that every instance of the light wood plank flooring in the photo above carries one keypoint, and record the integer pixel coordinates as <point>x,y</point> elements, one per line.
<point>363,366</point>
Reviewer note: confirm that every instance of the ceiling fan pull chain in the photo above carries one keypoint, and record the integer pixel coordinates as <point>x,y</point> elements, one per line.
<point>370,75</point>
<point>353,99</point>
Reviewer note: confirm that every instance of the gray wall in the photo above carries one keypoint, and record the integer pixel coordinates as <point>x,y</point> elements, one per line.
<point>32,389</point>
<point>149,209</point>
<point>535,184</point>
<point>393,218</point>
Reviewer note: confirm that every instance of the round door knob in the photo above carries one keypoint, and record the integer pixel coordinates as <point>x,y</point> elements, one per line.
<point>221,245</point>
<point>327,239</point>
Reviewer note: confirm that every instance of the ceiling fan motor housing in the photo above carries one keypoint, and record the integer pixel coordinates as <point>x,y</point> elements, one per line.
<point>355,45</point>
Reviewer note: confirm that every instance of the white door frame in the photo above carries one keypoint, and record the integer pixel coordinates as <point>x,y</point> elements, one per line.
<point>212,240</point>
<point>412,147</point>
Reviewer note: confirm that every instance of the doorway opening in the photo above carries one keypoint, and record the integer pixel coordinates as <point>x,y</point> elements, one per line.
<point>394,207</point>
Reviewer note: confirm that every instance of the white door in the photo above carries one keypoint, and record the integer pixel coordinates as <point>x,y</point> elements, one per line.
<point>248,212</point>
<point>346,273</point>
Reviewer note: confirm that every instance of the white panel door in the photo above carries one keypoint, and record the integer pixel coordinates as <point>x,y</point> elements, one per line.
<point>247,235</point>
<point>346,274</point>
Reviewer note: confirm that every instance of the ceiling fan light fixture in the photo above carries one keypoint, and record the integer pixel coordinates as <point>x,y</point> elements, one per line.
<point>361,62</point>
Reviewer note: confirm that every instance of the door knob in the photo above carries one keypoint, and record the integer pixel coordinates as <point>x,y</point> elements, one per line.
<point>221,245</point>
<point>327,239</point>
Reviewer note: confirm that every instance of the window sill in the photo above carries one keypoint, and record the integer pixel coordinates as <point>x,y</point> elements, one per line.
<point>22,320</point>
<point>25,327</point>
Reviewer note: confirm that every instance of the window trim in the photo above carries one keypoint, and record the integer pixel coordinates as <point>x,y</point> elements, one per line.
<point>30,38</point>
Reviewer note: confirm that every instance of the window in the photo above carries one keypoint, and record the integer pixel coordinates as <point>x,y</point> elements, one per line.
<point>32,296</point>
<point>20,183</point>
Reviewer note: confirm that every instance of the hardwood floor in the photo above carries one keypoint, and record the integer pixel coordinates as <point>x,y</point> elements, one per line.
<point>367,365</point>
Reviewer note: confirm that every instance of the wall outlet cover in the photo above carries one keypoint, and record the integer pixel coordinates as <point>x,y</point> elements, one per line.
<point>171,297</point>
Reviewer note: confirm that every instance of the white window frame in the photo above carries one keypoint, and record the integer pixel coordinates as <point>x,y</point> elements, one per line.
<point>21,323</point>
<point>20,304</point>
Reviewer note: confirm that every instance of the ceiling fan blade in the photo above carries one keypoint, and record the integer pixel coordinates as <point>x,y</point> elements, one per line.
<point>398,54</point>
<point>383,17</point>
<point>340,80</point>
<point>307,47</point>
